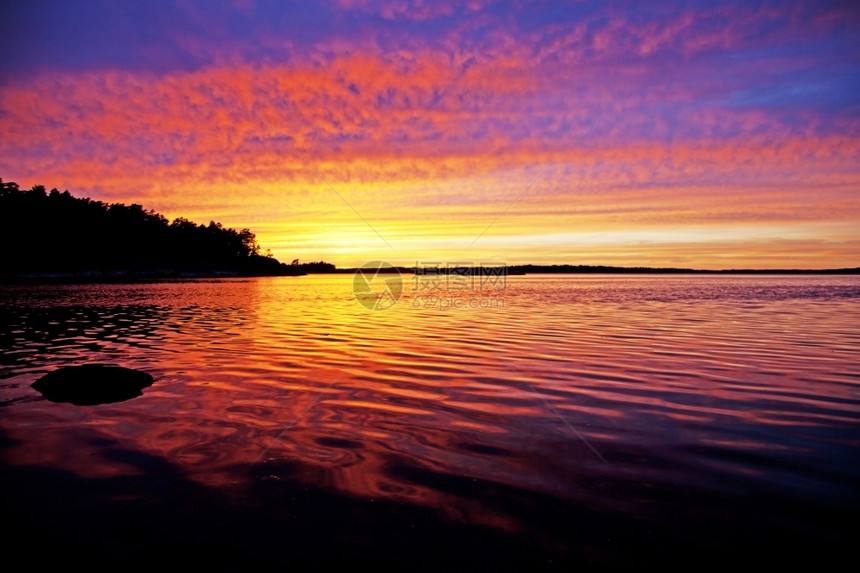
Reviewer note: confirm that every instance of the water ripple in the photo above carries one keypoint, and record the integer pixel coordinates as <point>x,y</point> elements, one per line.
<point>734,384</point>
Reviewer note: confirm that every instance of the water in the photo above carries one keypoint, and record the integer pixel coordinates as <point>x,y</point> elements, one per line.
<point>561,420</point>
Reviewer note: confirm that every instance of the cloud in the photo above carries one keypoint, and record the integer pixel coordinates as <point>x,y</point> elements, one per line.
<point>629,119</point>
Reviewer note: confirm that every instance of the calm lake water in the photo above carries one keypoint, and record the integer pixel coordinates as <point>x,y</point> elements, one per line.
<point>560,420</point>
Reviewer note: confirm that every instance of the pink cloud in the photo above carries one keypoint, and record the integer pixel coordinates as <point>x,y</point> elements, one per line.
<point>636,135</point>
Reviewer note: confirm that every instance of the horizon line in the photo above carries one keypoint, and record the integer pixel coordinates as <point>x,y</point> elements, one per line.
<point>593,268</point>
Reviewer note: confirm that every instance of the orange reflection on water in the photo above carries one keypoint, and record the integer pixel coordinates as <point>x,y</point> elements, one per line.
<point>291,376</point>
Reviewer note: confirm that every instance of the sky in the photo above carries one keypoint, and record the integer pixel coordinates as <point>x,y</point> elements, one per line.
<point>696,134</point>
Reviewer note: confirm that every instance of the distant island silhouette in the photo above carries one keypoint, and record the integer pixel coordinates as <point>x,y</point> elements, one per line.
<point>54,235</point>
<point>604,269</point>
<point>594,269</point>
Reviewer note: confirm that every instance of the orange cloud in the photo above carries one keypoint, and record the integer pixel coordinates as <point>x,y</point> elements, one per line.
<point>429,151</point>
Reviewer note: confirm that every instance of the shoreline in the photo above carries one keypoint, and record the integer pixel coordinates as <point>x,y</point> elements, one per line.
<point>516,270</point>
<point>114,277</point>
<point>119,277</point>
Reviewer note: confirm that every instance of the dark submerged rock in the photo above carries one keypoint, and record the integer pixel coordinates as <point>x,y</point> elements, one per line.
<point>92,384</point>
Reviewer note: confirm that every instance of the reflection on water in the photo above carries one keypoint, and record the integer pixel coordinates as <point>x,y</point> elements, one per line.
<point>668,403</point>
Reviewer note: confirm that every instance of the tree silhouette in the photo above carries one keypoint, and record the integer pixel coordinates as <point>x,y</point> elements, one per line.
<point>54,232</point>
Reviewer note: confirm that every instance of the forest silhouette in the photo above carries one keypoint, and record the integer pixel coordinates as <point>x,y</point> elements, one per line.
<point>46,233</point>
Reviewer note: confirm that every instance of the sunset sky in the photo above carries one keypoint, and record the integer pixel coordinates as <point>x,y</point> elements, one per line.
<point>696,134</point>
